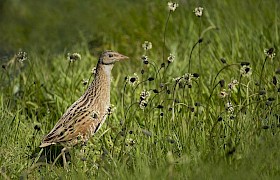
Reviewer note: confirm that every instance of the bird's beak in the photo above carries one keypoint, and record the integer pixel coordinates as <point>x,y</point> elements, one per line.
<point>121,57</point>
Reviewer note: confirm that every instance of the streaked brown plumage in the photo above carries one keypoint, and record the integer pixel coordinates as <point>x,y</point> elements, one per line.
<point>84,117</point>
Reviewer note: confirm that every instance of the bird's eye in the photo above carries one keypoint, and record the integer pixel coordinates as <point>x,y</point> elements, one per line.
<point>111,55</point>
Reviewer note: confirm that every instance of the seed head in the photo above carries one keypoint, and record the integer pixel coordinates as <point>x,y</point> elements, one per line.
<point>21,56</point>
<point>85,82</point>
<point>93,71</point>
<point>200,40</point>
<point>274,80</point>
<point>170,58</point>
<point>130,142</point>
<point>277,71</point>
<point>268,103</point>
<point>223,60</point>
<point>145,60</point>
<point>151,79</point>
<point>147,45</point>
<point>198,11</point>
<point>83,158</point>
<point>188,79</point>
<point>222,83</point>
<point>262,92</point>
<point>172,6</point>
<point>132,80</point>
<point>270,53</point>
<point>155,91</point>
<point>235,82</point>
<point>244,63</point>
<point>223,94</point>
<point>144,95</point>
<point>271,99</point>
<point>37,128</point>
<point>111,110</point>
<point>143,104</point>
<point>191,108</point>
<point>172,141</point>
<point>229,107</point>
<point>195,75</point>
<point>245,71</point>
<point>160,106</point>
<point>265,127</point>
<point>177,79</point>
<point>232,84</point>
<point>73,57</point>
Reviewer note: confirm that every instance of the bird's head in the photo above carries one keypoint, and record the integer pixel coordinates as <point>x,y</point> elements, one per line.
<point>110,57</point>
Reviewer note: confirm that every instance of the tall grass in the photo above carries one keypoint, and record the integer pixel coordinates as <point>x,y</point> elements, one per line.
<point>210,111</point>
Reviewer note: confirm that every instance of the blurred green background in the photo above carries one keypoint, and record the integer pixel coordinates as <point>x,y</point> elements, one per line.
<point>125,24</point>
<point>59,25</point>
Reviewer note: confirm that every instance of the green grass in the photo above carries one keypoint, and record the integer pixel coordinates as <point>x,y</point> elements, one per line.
<point>184,132</point>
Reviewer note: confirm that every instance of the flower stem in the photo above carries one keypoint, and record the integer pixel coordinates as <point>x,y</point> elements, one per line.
<point>164,34</point>
<point>262,73</point>
<point>191,54</point>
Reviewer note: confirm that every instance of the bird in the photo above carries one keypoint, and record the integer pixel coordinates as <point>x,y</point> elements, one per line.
<point>85,116</point>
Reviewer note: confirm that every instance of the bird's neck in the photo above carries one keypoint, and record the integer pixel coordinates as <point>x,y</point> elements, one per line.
<point>100,86</point>
<point>103,74</point>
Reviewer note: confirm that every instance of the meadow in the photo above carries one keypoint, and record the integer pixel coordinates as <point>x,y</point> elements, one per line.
<point>198,98</point>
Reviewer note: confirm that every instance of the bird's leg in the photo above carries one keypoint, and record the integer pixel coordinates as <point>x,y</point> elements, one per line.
<point>65,165</point>
<point>57,158</point>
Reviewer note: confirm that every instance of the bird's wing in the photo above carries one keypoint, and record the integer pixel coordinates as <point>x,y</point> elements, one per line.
<point>77,122</point>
